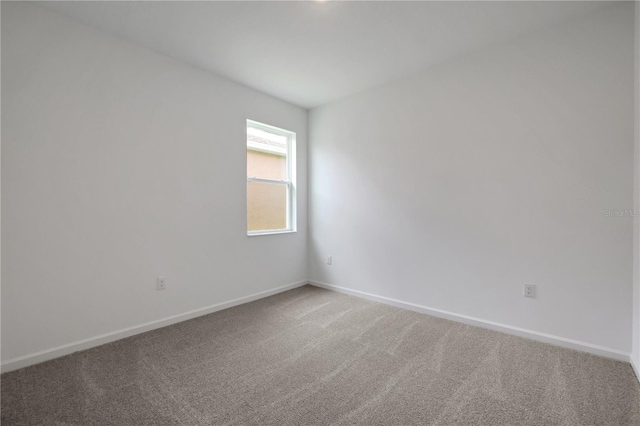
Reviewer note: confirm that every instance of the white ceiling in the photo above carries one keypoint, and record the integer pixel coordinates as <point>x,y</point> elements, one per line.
<point>311,53</point>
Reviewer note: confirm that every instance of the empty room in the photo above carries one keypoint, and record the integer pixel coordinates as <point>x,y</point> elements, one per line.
<point>320,213</point>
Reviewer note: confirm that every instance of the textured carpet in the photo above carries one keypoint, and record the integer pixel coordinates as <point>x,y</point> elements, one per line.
<point>311,356</point>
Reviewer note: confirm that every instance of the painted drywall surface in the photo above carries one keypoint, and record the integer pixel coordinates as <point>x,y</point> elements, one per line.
<point>635,350</point>
<point>1,191</point>
<point>454,188</point>
<point>120,165</point>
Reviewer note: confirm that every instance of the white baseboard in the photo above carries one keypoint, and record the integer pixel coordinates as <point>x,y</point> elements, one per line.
<point>636,367</point>
<point>516,331</point>
<point>38,357</point>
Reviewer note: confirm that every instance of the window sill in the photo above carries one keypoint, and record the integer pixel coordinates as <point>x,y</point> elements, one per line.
<point>281,231</point>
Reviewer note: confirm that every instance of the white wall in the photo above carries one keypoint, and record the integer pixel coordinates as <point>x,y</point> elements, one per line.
<point>455,187</point>
<point>120,165</point>
<point>635,353</point>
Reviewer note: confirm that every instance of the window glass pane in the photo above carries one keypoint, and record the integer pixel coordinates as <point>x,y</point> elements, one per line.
<point>266,165</point>
<point>266,155</point>
<point>266,206</point>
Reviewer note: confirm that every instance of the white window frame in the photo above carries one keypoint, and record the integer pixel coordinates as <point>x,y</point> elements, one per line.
<point>291,173</point>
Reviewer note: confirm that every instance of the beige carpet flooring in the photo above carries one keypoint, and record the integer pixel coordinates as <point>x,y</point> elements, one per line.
<point>311,356</point>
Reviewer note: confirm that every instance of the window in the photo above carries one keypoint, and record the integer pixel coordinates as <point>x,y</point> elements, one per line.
<point>271,206</point>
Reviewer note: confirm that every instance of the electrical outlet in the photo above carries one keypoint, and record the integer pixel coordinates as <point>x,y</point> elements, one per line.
<point>529,290</point>
<point>329,260</point>
<point>161,283</point>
